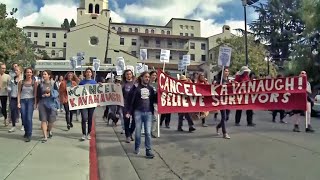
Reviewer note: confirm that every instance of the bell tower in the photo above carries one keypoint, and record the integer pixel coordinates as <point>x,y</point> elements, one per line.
<point>90,10</point>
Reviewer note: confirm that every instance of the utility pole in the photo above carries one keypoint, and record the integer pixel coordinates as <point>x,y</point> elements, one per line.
<point>108,38</point>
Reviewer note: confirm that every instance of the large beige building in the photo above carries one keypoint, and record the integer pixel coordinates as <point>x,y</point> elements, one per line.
<point>91,35</point>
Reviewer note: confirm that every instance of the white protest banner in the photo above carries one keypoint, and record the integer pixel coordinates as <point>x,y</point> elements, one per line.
<point>131,68</point>
<point>140,68</point>
<point>94,95</point>
<point>143,54</point>
<point>224,56</point>
<point>96,64</point>
<point>186,60</point>
<point>120,67</point>
<point>165,56</point>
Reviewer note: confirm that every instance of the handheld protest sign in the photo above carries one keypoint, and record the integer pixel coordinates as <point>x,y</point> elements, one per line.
<point>120,67</point>
<point>96,66</point>
<point>164,57</point>
<point>224,56</point>
<point>140,68</point>
<point>143,54</point>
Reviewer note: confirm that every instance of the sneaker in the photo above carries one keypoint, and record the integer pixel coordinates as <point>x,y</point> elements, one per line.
<point>283,122</point>
<point>83,138</point>
<point>88,137</point>
<point>68,126</point>
<point>149,154</point>
<point>226,136</point>
<point>191,129</point>
<point>127,140</point>
<point>22,128</point>
<point>309,129</point>
<point>251,125</point>
<point>217,130</point>
<point>44,140</point>
<point>237,124</point>
<point>122,132</point>
<point>131,138</point>
<point>28,139</point>
<point>204,125</point>
<point>153,136</point>
<point>12,130</point>
<point>180,129</point>
<point>71,125</point>
<point>168,127</point>
<point>50,134</point>
<point>137,152</point>
<point>296,128</point>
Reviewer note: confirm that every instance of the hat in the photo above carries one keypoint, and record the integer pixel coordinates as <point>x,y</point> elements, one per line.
<point>243,69</point>
<point>183,78</point>
<point>118,78</point>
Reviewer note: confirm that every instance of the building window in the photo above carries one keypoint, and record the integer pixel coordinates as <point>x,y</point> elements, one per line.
<point>90,8</point>
<point>35,34</point>
<point>147,31</point>
<point>192,35</point>
<point>158,55</point>
<point>146,43</point>
<point>192,45</point>
<point>121,41</point>
<point>181,34</point>
<point>97,9</point>
<point>187,27</point>
<point>203,46</point>
<point>35,42</point>
<point>136,30</point>
<point>181,44</point>
<point>47,35</point>
<point>192,28</point>
<point>171,57</point>
<point>107,61</point>
<point>169,43</point>
<point>186,34</point>
<point>134,53</point>
<point>119,29</point>
<point>114,28</point>
<point>94,40</point>
<point>168,32</point>
<point>192,57</point>
<point>54,35</point>
<point>53,44</point>
<point>94,17</point>
<point>91,59</point>
<point>64,44</point>
<point>211,56</point>
<point>134,42</point>
<point>158,42</point>
<point>203,57</point>
<point>53,53</point>
<point>181,55</point>
<point>65,36</point>
<point>152,31</point>
<point>130,29</point>
<point>29,34</point>
<point>181,26</point>
<point>162,32</point>
<point>47,44</point>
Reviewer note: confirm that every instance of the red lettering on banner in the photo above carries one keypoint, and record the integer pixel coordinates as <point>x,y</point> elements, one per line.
<point>82,100</point>
<point>96,98</point>
<point>91,100</point>
<point>102,98</point>
<point>72,103</point>
<point>264,94</point>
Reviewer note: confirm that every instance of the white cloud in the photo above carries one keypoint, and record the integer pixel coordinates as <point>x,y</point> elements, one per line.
<point>117,18</point>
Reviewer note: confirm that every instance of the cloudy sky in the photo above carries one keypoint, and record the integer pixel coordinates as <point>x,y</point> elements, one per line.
<point>212,13</point>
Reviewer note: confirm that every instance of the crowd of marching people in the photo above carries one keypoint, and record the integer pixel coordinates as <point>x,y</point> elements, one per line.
<point>26,92</point>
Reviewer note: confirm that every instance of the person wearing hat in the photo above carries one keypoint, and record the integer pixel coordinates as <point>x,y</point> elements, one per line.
<point>181,116</point>
<point>243,75</point>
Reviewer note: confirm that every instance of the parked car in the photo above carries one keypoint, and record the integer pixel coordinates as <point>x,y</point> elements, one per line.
<point>315,109</point>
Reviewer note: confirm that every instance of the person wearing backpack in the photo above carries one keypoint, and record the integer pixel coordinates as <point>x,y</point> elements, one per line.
<point>26,101</point>
<point>48,104</point>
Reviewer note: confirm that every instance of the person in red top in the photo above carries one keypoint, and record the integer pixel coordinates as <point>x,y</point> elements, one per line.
<point>241,76</point>
<point>202,80</point>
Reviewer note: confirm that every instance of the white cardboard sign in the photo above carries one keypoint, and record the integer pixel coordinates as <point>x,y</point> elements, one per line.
<point>224,56</point>
<point>165,56</point>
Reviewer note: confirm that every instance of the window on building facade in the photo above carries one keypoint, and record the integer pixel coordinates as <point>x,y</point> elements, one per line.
<point>53,44</point>
<point>47,44</point>
<point>114,28</point>
<point>90,8</point>
<point>158,55</point>
<point>168,33</point>
<point>119,29</point>
<point>91,59</point>
<point>47,35</point>
<point>171,57</point>
<point>192,45</point>
<point>181,55</point>
<point>169,44</point>
<point>203,46</point>
<point>53,53</point>
<point>29,34</point>
<point>107,61</point>
<point>152,31</point>
<point>162,32</point>
<point>192,57</point>
<point>181,34</point>
<point>97,9</point>
<point>192,35</point>
<point>187,27</point>
<point>93,17</point>
<point>130,29</point>
<point>211,56</point>
<point>181,26</point>
<point>35,42</point>
<point>64,44</point>
<point>203,57</point>
<point>136,30</point>
<point>146,42</point>
<point>158,42</point>
<point>54,35</point>
<point>147,31</point>
<point>94,40</point>
<point>192,27</point>
<point>134,53</point>
<point>35,34</point>
<point>65,36</point>
<point>134,42</point>
<point>186,34</point>
<point>121,41</point>
<point>181,44</point>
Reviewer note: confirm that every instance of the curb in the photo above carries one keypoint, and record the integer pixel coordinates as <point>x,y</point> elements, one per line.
<point>93,160</point>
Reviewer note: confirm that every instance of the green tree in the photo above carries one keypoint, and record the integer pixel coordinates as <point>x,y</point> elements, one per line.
<point>14,45</point>
<point>65,24</point>
<point>310,12</point>
<point>256,53</point>
<point>280,26</point>
<point>72,23</point>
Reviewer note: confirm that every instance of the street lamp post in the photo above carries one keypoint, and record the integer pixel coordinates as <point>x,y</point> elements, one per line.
<point>245,3</point>
<point>268,63</point>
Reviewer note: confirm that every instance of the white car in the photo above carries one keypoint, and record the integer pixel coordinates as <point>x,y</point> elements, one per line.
<point>316,106</point>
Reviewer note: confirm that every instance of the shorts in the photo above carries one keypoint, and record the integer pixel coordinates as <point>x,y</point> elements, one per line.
<point>46,114</point>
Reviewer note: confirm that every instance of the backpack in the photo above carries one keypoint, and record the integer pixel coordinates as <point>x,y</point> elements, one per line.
<point>53,102</point>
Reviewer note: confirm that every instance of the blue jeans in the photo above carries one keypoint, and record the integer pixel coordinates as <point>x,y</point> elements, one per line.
<point>146,119</point>
<point>27,107</point>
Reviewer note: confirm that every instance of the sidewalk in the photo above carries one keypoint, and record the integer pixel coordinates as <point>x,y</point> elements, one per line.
<point>63,157</point>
